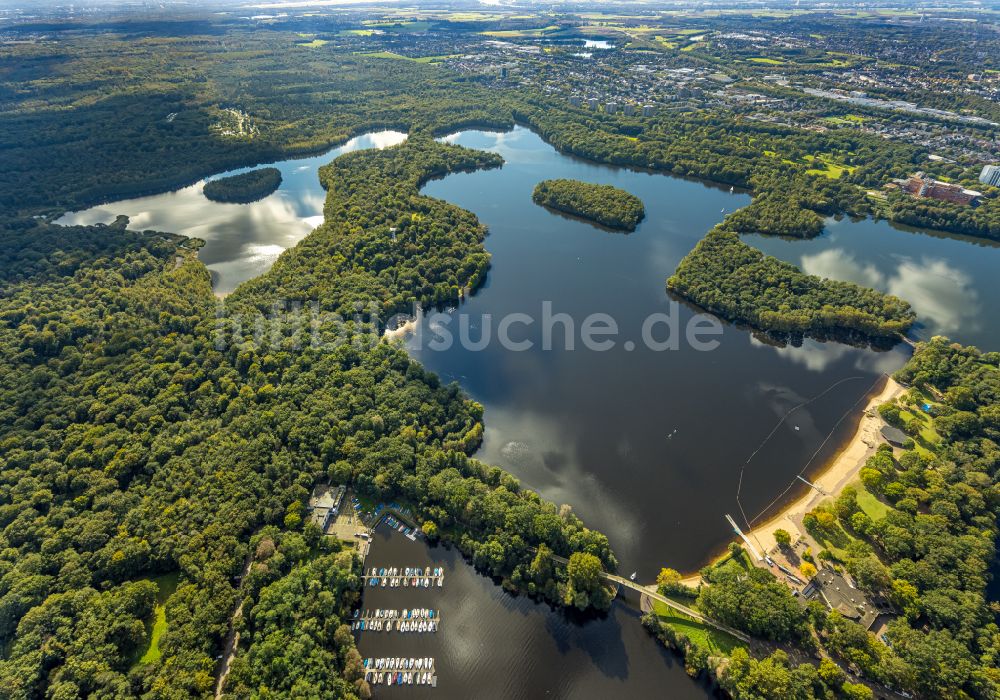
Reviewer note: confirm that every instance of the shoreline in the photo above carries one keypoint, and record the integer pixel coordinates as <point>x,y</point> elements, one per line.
<point>840,471</point>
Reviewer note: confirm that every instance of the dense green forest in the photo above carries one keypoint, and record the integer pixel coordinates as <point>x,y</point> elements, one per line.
<point>245,187</point>
<point>604,204</point>
<point>149,429</point>
<point>135,442</point>
<point>927,558</point>
<point>727,277</point>
<point>383,246</point>
<point>982,221</point>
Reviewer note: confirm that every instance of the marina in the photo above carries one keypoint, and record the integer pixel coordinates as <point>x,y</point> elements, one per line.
<point>420,620</point>
<point>411,576</point>
<point>400,671</point>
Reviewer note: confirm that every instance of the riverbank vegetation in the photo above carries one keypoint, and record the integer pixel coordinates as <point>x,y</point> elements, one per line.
<point>245,187</point>
<point>604,204</point>
<point>727,277</point>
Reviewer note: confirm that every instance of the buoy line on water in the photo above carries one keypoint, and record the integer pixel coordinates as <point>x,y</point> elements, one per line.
<point>747,521</point>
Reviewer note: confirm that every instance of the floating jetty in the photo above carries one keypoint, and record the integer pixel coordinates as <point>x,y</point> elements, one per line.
<point>418,620</point>
<point>406,577</point>
<point>401,671</point>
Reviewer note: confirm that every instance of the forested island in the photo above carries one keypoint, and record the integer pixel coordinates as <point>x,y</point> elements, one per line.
<point>245,187</point>
<point>727,277</point>
<point>603,204</point>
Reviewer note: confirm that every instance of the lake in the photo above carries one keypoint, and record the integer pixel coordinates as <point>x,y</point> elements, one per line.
<point>648,446</point>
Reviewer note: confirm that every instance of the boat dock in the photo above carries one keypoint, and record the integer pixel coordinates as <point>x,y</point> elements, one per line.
<point>406,577</point>
<point>401,671</point>
<point>746,540</point>
<point>418,620</point>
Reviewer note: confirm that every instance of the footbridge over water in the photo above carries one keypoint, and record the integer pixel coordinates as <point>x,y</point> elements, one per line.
<point>673,604</point>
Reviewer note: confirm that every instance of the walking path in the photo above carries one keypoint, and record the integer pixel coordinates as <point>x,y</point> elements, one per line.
<point>233,635</point>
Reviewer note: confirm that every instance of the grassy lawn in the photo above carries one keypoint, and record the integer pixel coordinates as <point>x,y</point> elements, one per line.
<point>155,628</point>
<point>768,61</point>
<point>706,637</point>
<point>825,165</point>
<point>928,438</point>
<point>872,507</point>
<point>835,539</point>
<point>315,43</point>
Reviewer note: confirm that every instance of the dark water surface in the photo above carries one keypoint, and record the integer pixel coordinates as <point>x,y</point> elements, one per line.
<point>647,446</point>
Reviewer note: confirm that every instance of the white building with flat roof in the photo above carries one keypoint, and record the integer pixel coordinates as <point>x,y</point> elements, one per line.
<point>990,175</point>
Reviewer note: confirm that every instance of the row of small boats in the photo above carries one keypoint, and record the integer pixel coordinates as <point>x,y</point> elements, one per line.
<point>406,571</point>
<point>395,581</point>
<point>401,678</point>
<point>414,613</point>
<point>384,625</point>
<point>410,532</point>
<point>398,663</point>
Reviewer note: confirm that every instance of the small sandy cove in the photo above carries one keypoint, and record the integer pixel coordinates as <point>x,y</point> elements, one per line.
<point>841,471</point>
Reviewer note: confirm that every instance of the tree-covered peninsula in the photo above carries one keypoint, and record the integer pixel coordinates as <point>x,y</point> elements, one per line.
<point>245,187</point>
<point>738,282</point>
<point>604,204</point>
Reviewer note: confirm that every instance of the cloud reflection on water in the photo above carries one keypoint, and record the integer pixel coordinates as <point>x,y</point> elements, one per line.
<point>241,240</point>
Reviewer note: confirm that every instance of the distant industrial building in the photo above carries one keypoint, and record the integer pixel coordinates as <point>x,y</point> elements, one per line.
<point>919,185</point>
<point>575,101</point>
<point>503,72</point>
<point>990,175</point>
<point>629,110</point>
<point>648,110</point>
<point>593,104</point>
<point>610,108</point>
<point>324,505</point>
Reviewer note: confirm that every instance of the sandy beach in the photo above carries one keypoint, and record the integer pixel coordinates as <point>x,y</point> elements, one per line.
<point>841,470</point>
<point>401,332</point>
